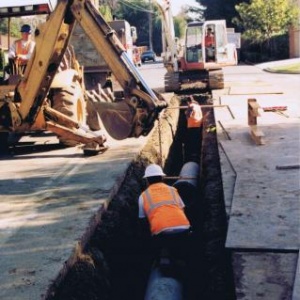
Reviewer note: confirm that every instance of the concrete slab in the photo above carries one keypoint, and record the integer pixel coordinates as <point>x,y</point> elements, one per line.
<point>265,209</point>
<point>258,278</point>
<point>50,207</point>
<point>255,89</point>
<point>258,184</point>
<point>261,192</point>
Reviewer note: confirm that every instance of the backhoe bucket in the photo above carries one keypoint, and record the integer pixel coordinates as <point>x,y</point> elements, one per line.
<point>117,118</point>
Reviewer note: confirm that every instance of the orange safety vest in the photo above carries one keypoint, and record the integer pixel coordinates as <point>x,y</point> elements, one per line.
<point>194,117</point>
<point>162,207</point>
<point>209,40</point>
<point>22,51</point>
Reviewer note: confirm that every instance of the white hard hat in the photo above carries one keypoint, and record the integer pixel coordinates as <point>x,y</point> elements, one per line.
<point>153,170</point>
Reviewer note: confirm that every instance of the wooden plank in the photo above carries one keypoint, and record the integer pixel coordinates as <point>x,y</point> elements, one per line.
<point>253,111</point>
<point>288,167</point>
<point>257,135</point>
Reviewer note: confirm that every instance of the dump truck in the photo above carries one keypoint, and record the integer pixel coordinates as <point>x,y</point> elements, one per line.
<point>51,96</point>
<point>198,61</point>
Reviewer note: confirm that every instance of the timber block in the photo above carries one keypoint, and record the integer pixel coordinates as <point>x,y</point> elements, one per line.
<point>257,135</point>
<point>253,112</point>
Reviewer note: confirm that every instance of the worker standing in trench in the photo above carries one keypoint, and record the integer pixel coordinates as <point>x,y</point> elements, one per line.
<point>162,206</point>
<point>192,143</point>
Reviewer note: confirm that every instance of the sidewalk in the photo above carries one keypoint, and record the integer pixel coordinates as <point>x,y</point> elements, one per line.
<point>262,200</point>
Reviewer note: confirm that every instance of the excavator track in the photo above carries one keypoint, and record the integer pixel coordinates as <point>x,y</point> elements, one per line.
<point>216,79</point>
<point>172,82</point>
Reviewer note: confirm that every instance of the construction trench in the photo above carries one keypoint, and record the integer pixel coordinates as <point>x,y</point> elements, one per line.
<point>115,262</point>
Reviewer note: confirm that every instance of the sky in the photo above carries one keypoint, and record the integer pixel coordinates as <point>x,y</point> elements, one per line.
<point>176,5</point>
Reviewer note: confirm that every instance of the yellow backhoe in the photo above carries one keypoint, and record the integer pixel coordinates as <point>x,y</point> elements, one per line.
<point>50,95</point>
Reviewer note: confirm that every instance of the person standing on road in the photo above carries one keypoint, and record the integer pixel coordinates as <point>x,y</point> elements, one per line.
<point>194,130</point>
<point>164,210</point>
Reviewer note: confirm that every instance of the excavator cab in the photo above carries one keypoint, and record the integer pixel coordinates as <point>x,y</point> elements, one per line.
<point>206,46</point>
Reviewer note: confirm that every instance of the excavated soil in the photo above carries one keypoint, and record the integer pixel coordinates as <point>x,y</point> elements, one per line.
<point>117,260</point>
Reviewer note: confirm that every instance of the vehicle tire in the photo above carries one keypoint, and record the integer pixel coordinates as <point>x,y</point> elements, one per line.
<point>172,82</point>
<point>70,102</point>
<point>216,80</point>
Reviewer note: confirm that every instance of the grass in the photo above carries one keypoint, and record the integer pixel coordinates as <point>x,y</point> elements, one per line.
<point>290,68</point>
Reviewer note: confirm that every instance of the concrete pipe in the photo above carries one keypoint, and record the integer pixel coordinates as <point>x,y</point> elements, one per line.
<point>161,287</point>
<point>187,184</point>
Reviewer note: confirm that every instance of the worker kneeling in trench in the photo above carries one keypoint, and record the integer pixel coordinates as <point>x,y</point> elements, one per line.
<point>163,208</point>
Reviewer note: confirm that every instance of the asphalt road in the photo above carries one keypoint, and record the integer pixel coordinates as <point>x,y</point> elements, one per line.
<point>50,200</point>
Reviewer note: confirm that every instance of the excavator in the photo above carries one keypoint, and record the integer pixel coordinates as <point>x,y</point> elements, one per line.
<point>199,61</point>
<point>50,94</point>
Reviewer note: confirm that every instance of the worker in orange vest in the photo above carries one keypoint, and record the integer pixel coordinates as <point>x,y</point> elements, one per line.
<point>209,38</point>
<point>162,206</point>
<point>210,42</point>
<point>21,50</point>
<point>193,138</point>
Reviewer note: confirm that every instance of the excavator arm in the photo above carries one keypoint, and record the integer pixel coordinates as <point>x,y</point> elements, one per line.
<point>133,116</point>
<point>170,53</point>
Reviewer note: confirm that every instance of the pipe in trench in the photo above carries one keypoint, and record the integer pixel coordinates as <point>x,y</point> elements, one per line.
<point>161,287</point>
<point>187,185</point>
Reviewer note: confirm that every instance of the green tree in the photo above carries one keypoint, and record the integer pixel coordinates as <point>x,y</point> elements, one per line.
<point>2,61</point>
<point>179,26</point>
<point>105,11</point>
<point>14,26</point>
<point>192,13</point>
<point>265,24</point>
<point>220,9</point>
<point>261,20</point>
<point>3,26</point>
<point>137,13</point>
